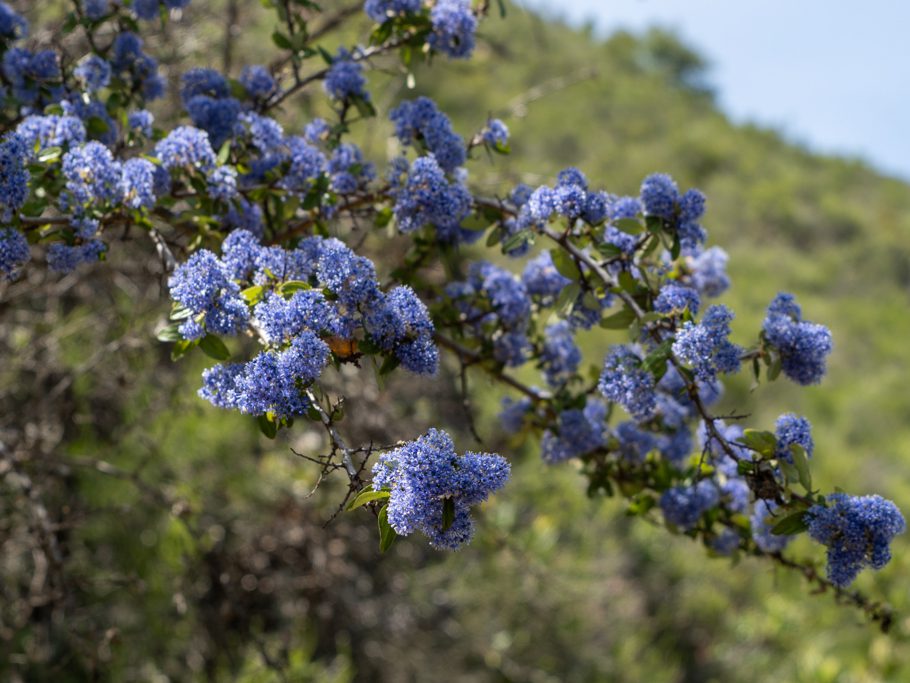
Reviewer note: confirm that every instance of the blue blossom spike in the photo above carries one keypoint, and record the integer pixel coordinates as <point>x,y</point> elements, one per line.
<point>14,252</point>
<point>258,81</point>
<point>454,26</point>
<point>345,79</point>
<point>420,122</point>
<point>579,432</point>
<point>381,11</point>
<point>496,133</point>
<point>793,429</point>
<point>560,356</point>
<point>674,298</point>
<point>624,381</point>
<point>804,346</point>
<point>705,346</point>
<point>683,506</point>
<point>857,530</point>
<point>659,195</point>
<point>14,175</point>
<point>424,474</point>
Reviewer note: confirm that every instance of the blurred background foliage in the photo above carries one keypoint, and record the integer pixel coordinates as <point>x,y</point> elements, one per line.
<point>186,546</point>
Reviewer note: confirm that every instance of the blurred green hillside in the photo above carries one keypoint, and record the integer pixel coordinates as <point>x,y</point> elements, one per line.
<point>556,587</point>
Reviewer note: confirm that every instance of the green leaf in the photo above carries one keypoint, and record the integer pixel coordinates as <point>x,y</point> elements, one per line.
<point>50,154</point>
<point>368,495</point>
<point>179,312</point>
<point>253,294</point>
<point>630,225</point>
<point>566,265</point>
<point>791,524</point>
<point>775,367</point>
<point>384,217</point>
<point>619,321</point>
<point>640,505</point>
<point>224,152</point>
<point>281,40</point>
<point>180,348</point>
<point>517,240</point>
<point>476,222</point>
<point>364,107</point>
<point>801,463</point>
<point>567,298</point>
<point>676,248</point>
<point>388,365</point>
<point>292,286</point>
<point>744,467</point>
<point>763,442</point>
<point>96,126</point>
<point>656,361</point>
<point>169,333</point>
<point>628,282</point>
<point>267,426</point>
<point>448,513</point>
<point>387,534</point>
<point>214,347</point>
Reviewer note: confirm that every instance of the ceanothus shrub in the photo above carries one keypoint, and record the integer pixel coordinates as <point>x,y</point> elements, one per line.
<point>258,227</point>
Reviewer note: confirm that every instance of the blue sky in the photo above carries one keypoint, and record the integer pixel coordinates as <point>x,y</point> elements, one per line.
<point>833,75</point>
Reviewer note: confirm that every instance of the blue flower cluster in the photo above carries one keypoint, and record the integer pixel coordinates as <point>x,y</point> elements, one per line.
<point>140,70</point>
<point>425,475</point>
<point>186,148</point>
<point>660,197</point>
<point>92,177</point>
<point>570,198</point>
<point>381,11</point>
<point>96,9</point>
<point>626,382</point>
<point>857,530</point>
<point>578,433</point>
<point>151,9</point>
<point>803,346</point>
<point>495,134</point>
<point>12,25</point>
<point>683,506</point>
<point>675,298</point>
<point>35,78</point>
<point>708,271</point>
<point>43,132</point>
<point>206,96</point>
<point>13,252</point>
<point>560,356</point>
<point>792,429</point>
<point>94,72</point>
<point>345,80</point>
<point>140,121</point>
<point>513,413</point>
<point>705,346</point>
<point>428,198</point>
<point>204,287</point>
<point>14,175</point>
<point>542,280</point>
<point>335,294</point>
<point>420,122</point>
<point>494,302</point>
<point>347,169</point>
<point>64,258</point>
<point>454,25</point>
<point>258,82</point>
